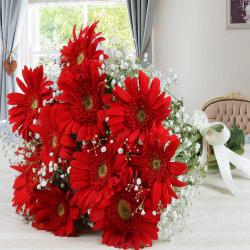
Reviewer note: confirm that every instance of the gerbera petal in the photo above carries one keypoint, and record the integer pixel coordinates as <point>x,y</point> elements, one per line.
<point>107,98</point>
<point>67,141</point>
<point>177,183</point>
<point>165,195</point>
<point>21,85</point>
<point>131,85</point>
<point>143,81</point>
<point>177,168</point>
<point>172,146</point>
<point>82,133</point>
<point>134,136</point>
<point>172,193</point>
<point>16,98</point>
<point>156,193</point>
<point>121,94</point>
<point>154,90</point>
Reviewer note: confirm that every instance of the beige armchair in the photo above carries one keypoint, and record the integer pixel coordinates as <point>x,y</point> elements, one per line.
<point>226,109</point>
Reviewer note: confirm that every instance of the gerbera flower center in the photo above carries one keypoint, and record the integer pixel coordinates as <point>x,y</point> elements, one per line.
<point>60,209</point>
<point>124,210</point>
<point>88,102</point>
<point>102,170</point>
<point>140,115</point>
<point>156,164</point>
<point>54,141</point>
<point>34,104</point>
<point>80,58</point>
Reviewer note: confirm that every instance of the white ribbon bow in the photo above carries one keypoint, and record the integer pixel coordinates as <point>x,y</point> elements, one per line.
<point>217,134</point>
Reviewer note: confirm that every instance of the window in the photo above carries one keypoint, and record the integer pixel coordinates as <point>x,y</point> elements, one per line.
<point>50,27</point>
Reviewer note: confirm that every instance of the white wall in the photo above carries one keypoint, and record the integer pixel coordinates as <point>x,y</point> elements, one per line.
<point>191,37</point>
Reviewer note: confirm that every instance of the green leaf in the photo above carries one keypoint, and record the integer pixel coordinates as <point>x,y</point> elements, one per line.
<point>237,138</point>
<point>217,127</point>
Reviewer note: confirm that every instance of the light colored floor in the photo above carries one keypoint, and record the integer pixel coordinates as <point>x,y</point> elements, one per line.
<point>217,221</point>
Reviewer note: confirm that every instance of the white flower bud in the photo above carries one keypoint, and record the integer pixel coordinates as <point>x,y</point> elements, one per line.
<point>103,149</point>
<point>120,151</point>
<point>138,181</point>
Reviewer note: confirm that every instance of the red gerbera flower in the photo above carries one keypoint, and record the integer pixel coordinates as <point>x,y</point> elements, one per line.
<point>95,173</point>
<point>51,125</point>
<point>35,91</point>
<point>123,223</point>
<point>26,183</point>
<point>54,211</point>
<point>156,169</point>
<point>82,47</point>
<point>137,108</point>
<point>85,98</point>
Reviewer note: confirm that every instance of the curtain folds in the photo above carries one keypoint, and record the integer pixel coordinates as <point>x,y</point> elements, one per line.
<point>11,15</point>
<point>141,20</point>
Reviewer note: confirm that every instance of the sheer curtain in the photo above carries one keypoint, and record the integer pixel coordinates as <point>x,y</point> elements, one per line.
<point>11,17</point>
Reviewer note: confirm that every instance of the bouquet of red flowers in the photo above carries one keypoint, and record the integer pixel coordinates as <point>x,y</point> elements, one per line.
<point>95,154</point>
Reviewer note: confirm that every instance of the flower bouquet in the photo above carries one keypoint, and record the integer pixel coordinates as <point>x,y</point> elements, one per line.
<point>104,149</point>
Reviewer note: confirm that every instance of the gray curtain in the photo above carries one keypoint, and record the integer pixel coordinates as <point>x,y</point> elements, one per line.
<point>141,20</point>
<point>11,14</point>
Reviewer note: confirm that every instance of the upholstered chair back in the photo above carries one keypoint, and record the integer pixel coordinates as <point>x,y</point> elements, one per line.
<point>226,109</point>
